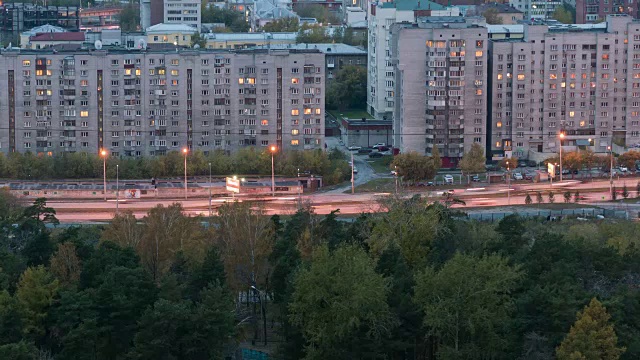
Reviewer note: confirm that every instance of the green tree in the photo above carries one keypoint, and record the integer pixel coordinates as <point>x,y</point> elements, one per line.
<point>551,197</point>
<point>614,194</point>
<point>625,191</point>
<point>436,160</point>
<point>318,12</point>
<point>414,167</point>
<point>348,88</point>
<point>467,305</point>
<point>340,304</point>
<point>509,163</point>
<point>285,24</point>
<point>539,198</point>
<point>19,351</point>
<point>10,319</point>
<point>492,16</point>
<point>313,34</point>
<point>35,294</point>
<point>567,196</point>
<point>638,189</point>
<point>473,160</point>
<point>197,39</point>
<point>527,199</point>
<point>564,15</point>
<point>65,264</point>
<point>591,337</point>
<point>129,18</point>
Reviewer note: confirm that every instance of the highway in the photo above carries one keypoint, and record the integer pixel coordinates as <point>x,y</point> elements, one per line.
<point>475,196</point>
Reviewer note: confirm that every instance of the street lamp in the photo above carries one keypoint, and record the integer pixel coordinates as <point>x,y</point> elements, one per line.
<point>264,317</point>
<point>209,191</point>
<point>561,136</point>
<point>185,151</point>
<point>610,148</point>
<point>117,188</point>
<point>508,184</point>
<point>273,173</point>
<point>395,174</point>
<point>353,179</point>
<point>103,153</point>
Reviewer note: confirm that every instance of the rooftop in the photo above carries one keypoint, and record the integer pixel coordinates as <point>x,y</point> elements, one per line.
<point>58,36</point>
<point>408,5</point>
<point>501,8</point>
<point>251,36</point>
<point>328,49</point>
<point>171,28</point>
<point>44,29</point>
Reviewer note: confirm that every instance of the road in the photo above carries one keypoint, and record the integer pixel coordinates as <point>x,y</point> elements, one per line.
<point>365,171</point>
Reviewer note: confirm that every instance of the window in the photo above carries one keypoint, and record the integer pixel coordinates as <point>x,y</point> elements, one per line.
<point>295,112</point>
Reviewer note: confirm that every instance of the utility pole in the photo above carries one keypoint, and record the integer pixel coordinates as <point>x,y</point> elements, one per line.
<point>353,190</point>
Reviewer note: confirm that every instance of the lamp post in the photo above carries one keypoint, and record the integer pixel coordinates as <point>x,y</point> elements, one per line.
<point>508,185</point>
<point>273,171</point>
<point>395,174</point>
<point>264,317</point>
<point>561,136</point>
<point>610,148</point>
<point>185,151</point>
<point>209,191</point>
<point>299,186</point>
<point>117,188</point>
<point>103,153</point>
<point>353,189</point>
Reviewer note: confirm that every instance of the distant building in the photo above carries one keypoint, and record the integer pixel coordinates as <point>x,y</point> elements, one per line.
<point>187,12</point>
<point>365,133</point>
<point>590,11</point>
<point>18,17</point>
<point>52,39</point>
<point>330,5</point>
<point>248,40</point>
<point>507,13</point>
<point>354,15</point>
<point>266,11</point>
<point>172,34</point>
<point>537,9</point>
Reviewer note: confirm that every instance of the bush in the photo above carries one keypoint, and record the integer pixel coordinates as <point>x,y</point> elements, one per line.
<point>551,197</point>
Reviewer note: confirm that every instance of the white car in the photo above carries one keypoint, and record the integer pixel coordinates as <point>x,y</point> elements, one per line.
<point>623,168</point>
<point>355,171</point>
<point>354,148</point>
<point>517,176</point>
<point>379,144</point>
<point>448,179</point>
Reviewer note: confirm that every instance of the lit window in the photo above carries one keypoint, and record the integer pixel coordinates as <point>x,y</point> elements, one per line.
<point>295,81</point>
<point>295,112</point>
<point>294,142</point>
<point>307,111</point>
<point>295,132</point>
<point>138,72</point>
<point>251,81</point>
<point>174,72</point>
<point>497,143</point>
<point>479,53</point>
<point>499,124</point>
<point>26,62</point>
<point>479,92</point>
<point>264,122</point>
<point>499,76</point>
<point>84,113</point>
<point>520,76</point>
<point>572,113</point>
<point>241,81</point>
<point>161,71</point>
<point>318,111</point>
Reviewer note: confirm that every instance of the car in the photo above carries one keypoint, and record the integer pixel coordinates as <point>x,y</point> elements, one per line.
<point>517,176</point>
<point>341,142</point>
<point>386,153</point>
<point>394,173</point>
<point>375,154</point>
<point>528,176</point>
<point>522,164</point>
<point>364,150</point>
<point>355,170</point>
<point>623,168</point>
<point>379,144</point>
<point>430,183</point>
<point>354,147</point>
<point>448,179</point>
<point>381,148</point>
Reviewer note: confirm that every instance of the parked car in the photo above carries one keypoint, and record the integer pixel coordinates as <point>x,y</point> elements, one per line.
<point>448,179</point>
<point>355,170</point>
<point>375,154</point>
<point>386,153</point>
<point>364,150</point>
<point>379,144</point>
<point>528,176</point>
<point>623,168</point>
<point>522,164</point>
<point>517,176</point>
<point>475,178</point>
<point>354,147</point>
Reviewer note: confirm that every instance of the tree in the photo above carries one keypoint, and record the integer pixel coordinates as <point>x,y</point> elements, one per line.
<point>467,305</point>
<point>232,19</point>
<point>414,167</point>
<point>473,161</point>
<point>510,163</point>
<point>564,15</point>
<point>567,196</point>
<point>285,24</point>
<point>591,336</point>
<point>348,88</point>
<point>340,304</point>
<point>18,351</point>
<point>317,12</point>
<point>539,198</point>
<point>551,197</point>
<point>492,16</point>
<point>35,294</point>
<point>197,39</point>
<point>130,18</point>
<point>625,191</point>
<point>638,189</point>
<point>629,159</point>
<point>65,265</point>
<point>313,34</point>
<point>124,230</point>
<point>614,194</point>
<point>436,160</point>
<point>576,197</point>
<point>527,199</point>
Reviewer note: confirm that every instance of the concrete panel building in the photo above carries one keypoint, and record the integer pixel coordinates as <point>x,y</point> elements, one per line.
<point>136,102</point>
<point>591,11</point>
<point>583,81</point>
<point>187,12</point>
<point>440,68</point>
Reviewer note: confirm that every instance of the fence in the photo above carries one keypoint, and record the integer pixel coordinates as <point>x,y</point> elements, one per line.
<point>549,214</point>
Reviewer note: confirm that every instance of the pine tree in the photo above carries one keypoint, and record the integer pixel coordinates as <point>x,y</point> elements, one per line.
<point>591,336</point>
<point>527,199</point>
<point>539,198</point>
<point>614,194</point>
<point>638,190</point>
<point>551,197</point>
<point>567,196</point>
<point>576,197</point>
<point>625,191</point>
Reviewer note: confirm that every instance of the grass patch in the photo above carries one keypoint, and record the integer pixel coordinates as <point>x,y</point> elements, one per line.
<point>380,165</point>
<point>350,114</point>
<point>376,185</point>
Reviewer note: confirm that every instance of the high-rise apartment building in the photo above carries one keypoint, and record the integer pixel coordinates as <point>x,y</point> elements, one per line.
<point>536,9</point>
<point>591,11</point>
<point>137,102</point>
<point>440,68</point>
<point>380,79</point>
<point>583,81</point>
<point>187,12</point>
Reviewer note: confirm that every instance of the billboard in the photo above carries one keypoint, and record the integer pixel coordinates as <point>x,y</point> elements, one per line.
<point>233,185</point>
<point>551,169</point>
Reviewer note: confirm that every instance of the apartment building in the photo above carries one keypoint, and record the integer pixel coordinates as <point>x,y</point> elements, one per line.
<point>583,81</point>
<point>380,79</point>
<point>590,11</point>
<point>187,12</point>
<point>536,9</point>
<point>440,68</point>
<point>137,102</point>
